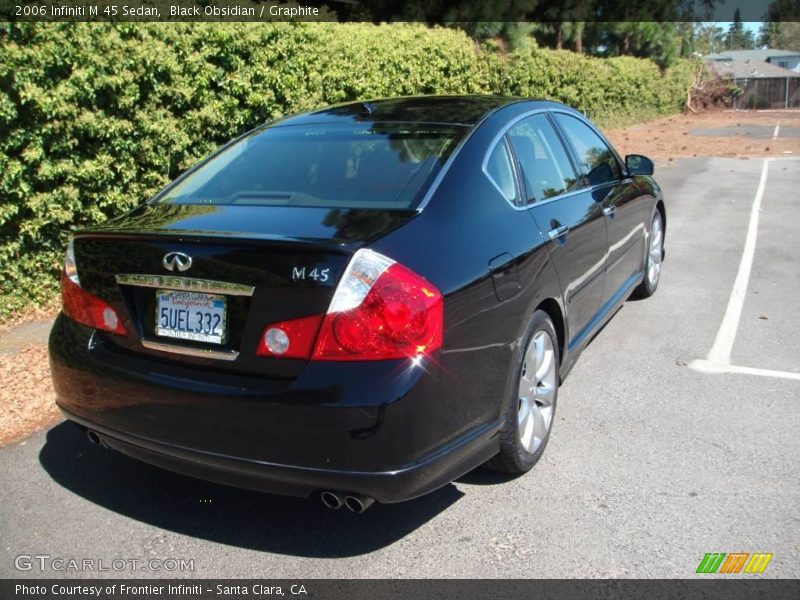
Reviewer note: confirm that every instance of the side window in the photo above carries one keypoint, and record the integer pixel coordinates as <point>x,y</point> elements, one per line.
<point>595,158</point>
<point>499,169</point>
<point>546,169</point>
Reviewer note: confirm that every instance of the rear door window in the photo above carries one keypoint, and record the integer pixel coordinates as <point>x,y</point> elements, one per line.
<point>375,165</point>
<point>546,168</point>
<point>596,160</point>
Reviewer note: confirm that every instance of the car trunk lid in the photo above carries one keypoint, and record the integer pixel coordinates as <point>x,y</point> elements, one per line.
<point>249,267</point>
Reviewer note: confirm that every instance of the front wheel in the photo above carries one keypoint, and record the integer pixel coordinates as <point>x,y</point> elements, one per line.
<point>531,410</point>
<point>655,254</point>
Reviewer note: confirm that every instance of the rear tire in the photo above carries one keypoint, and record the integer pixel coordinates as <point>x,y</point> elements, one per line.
<point>530,411</point>
<point>655,254</point>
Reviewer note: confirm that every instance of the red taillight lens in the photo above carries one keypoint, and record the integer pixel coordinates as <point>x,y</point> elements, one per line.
<point>380,310</point>
<point>401,316</point>
<point>87,309</point>
<point>289,339</point>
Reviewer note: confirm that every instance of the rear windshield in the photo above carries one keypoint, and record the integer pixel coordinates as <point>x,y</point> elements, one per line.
<point>376,165</point>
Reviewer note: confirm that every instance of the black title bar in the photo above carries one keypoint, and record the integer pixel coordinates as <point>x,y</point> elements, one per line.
<point>442,12</point>
<point>710,588</point>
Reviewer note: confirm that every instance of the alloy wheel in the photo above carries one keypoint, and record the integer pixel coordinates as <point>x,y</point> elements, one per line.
<point>655,253</point>
<point>537,391</point>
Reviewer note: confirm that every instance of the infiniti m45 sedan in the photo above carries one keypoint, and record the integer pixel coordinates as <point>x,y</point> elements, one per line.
<point>362,302</point>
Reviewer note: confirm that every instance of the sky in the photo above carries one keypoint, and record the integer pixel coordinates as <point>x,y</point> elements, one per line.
<point>753,26</point>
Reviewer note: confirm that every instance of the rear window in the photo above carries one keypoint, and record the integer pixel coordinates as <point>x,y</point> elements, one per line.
<point>371,165</point>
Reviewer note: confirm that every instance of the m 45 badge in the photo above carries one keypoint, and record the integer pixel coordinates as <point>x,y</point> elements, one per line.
<point>317,274</point>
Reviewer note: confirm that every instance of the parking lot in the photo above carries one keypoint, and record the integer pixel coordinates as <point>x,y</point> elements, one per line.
<point>676,435</point>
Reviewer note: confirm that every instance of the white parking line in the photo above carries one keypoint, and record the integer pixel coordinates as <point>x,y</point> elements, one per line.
<point>721,350</point>
<point>775,133</point>
<point>702,365</point>
<point>719,357</point>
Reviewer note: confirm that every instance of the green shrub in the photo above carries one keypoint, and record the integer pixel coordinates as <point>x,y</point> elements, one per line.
<point>94,118</point>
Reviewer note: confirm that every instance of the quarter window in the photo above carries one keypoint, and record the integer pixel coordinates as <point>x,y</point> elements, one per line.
<point>546,169</point>
<point>499,169</point>
<point>596,160</point>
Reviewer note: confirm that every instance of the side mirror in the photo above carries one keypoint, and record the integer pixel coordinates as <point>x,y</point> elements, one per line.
<point>638,165</point>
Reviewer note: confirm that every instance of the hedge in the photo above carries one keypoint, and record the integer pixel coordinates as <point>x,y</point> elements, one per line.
<point>94,118</point>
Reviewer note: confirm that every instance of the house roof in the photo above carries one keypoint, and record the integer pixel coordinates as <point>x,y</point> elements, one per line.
<point>744,69</point>
<point>751,55</point>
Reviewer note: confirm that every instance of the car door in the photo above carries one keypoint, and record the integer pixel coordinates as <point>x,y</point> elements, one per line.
<point>565,214</point>
<point>619,197</point>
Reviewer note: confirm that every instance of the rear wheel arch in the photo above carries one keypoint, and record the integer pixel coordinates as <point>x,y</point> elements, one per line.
<point>528,406</point>
<point>553,310</point>
<point>661,208</point>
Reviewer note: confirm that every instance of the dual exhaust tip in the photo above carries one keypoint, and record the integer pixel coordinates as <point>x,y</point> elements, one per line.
<point>357,503</point>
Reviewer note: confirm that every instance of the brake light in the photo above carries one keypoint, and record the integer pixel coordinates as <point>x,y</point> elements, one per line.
<point>380,310</point>
<point>83,307</point>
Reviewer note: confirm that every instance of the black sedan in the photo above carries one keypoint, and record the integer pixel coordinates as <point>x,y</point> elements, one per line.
<point>362,302</point>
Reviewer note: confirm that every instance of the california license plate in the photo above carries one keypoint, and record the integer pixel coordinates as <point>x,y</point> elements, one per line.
<point>191,316</point>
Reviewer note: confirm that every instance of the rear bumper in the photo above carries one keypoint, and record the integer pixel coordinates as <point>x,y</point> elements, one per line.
<point>375,429</point>
<point>410,482</point>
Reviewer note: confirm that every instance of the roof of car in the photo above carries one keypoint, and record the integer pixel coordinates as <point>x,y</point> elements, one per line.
<point>464,110</point>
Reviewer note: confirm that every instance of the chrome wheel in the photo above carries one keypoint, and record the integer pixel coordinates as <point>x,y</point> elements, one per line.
<point>537,391</point>
<point>655,253</point>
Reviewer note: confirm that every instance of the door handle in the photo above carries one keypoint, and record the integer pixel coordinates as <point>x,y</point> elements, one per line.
<point>558,232</point>
<point>609,210</point>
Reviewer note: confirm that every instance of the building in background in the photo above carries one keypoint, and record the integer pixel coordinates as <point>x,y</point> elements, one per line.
<point>767,78</point>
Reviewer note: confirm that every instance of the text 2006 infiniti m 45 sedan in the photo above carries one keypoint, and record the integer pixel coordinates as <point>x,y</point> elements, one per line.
<point>365,301</point>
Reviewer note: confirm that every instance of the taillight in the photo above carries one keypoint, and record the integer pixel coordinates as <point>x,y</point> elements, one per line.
<point>83,307</point>
<point>380,310</point>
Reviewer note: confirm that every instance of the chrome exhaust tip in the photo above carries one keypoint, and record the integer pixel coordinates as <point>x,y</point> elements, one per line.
<point>332,500</point>
<point>358,503</point>
<point>94,438</point>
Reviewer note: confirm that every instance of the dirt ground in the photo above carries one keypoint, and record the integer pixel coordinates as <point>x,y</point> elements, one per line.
<point>27,400</point>
<point>722,134</point>
<point>26,392</point>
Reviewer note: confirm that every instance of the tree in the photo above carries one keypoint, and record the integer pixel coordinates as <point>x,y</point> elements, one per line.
<point>660,30</point>
<point>781,29</point>
<point>562,23</point>
<point>784,36</point>
<point>738,37</point>
<point>783,10</point>
<point>709,39</point>
<point>660,42</point>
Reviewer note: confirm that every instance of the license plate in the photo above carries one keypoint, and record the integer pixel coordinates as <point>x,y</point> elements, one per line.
<point>191,316</point>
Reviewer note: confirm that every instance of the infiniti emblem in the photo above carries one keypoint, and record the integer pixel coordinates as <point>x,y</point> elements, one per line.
<point>176,261</point>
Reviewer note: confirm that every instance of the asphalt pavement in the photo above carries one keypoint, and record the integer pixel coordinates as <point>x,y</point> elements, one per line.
<point>651,464</point>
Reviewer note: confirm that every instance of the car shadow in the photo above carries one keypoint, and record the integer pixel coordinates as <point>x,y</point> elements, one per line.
<point>227,515</point>
<point>484,476</point>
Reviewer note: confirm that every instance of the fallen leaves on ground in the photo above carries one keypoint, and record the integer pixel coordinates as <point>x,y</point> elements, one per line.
<point>27,399</point>
<point>34,313</point>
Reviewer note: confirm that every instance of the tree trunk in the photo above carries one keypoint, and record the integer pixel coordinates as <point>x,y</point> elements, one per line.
<point>560,36</point>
